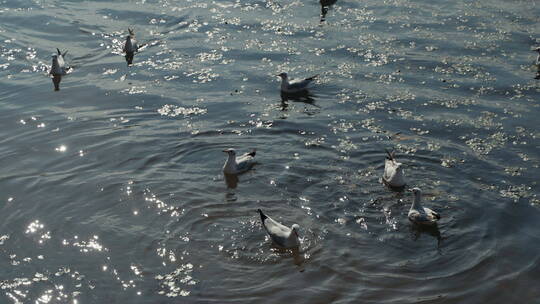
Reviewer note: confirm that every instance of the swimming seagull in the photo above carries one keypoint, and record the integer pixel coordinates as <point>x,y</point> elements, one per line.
<point>295,86</point>
<point>537,58</point>
<point>393,171</point>
<point>58,68</point>
<point>421,215</point>
<point>240,164</point>
<point>281,235</point>
<point>537,63</point>
<point>131,46</point>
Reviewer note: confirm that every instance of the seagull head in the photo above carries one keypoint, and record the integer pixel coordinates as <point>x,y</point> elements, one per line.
<point>295,228</point>
<point>282,75</point>
<point>416,191</point>
<point>230,151</point>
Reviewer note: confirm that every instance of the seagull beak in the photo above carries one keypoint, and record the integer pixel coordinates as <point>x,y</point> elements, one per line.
<point>225,151</point>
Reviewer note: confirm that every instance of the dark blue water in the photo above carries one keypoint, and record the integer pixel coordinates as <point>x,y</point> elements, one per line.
<point>111,189</point>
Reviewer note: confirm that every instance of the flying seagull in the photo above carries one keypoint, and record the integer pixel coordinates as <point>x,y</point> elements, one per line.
<point>281,235</point>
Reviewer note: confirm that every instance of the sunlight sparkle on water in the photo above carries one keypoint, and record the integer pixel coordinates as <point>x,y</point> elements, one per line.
<point>61,148</point>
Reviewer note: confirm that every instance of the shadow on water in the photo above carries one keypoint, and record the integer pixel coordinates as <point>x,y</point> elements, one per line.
<point>56,82</point>
<point>325,4</point>
<point>418,230</point>
<point>231,180</point>
<point>304,96</point>
<point>129,58</point>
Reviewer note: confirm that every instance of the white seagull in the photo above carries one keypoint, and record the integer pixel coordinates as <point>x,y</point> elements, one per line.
<point>281,235</point>
<point>393,171</point>
<point>131,46</point>
<point>240,164</point>
<point>295,86</point>
<point>421,215</point>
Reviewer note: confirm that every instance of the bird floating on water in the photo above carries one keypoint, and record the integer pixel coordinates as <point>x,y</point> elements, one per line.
<point>393,171</point>
<point>421,215</point>
<point>58,68</point>
<point>280,234</point>
<point>295,86</point>
<point>131,46</point>
<point>238,164</point>
<point>537,63</point>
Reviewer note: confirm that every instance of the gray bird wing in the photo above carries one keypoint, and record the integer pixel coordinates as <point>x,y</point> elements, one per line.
<point>244,162</point>
<point>278,233</point>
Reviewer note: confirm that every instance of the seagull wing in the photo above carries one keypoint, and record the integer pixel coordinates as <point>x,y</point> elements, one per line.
<point>432,215</point>
<point>278,233</point>
<point>245,161</point>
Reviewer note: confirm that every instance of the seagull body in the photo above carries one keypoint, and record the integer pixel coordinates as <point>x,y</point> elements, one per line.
<point>131,46</point>
<point>295,86</point>
<point>537,58</point>
<point>58,67</point>
<point>393,171</point>
<point>280,234</point>
<point>421,215</point>
<point>238,164</point>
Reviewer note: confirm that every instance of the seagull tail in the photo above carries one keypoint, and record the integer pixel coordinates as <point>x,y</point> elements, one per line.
<point>131,32</point>
<point>263,216</point>
<point>436,215</point>
<point>252,154</point>
<point>64,55</point>
<point>312,77</point>
<point>58,50</point>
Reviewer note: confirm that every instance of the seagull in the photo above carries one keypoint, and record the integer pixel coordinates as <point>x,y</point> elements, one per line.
<point>130,47</point>
<point>240,164</point>
<point>421,215</point>
<point>296,86</point>
<point>537,63</point>
<point>393,171</point>
<point>325,4</point>
<point>281,235</point>
<point>58,68</point>
<point>537,58</point>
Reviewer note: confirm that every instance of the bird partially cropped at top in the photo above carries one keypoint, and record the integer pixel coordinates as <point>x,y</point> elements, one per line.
<point>419,214</point>
<point>280,234</point>
<point>131,46</point>
<point>393,174</point>
<point>238,164</point>
<point>537,63</point>
<point>294,86</point>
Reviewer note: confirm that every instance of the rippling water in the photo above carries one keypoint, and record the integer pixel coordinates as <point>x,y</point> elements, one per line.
<point>111,189</point>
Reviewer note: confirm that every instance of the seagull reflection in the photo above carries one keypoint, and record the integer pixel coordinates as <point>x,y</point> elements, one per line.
<point>231,180</point>
<point>433,231</point>
<point>304,96</point>
<point>325,4</point>
<point>537,63</point>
